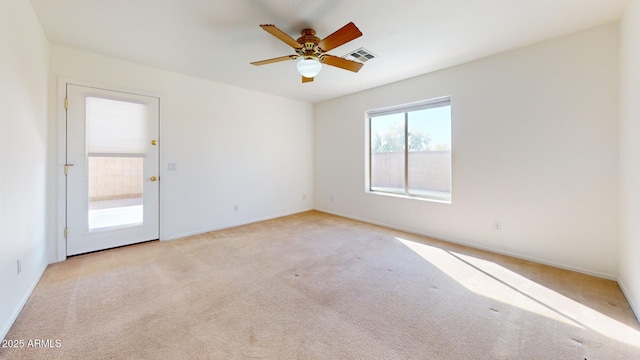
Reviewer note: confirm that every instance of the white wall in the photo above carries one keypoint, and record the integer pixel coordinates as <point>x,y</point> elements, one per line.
<point>231,146</point>
<point>630,155</point>
<point>535,146</point>
<point>23,144</point>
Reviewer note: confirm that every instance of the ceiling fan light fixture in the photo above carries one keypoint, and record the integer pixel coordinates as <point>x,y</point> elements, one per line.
<point>309,68</point>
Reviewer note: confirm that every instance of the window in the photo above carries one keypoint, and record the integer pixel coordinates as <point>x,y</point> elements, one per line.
<point>410,150</point>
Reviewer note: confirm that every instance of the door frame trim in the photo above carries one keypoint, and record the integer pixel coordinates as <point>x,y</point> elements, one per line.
<point>61,117</point>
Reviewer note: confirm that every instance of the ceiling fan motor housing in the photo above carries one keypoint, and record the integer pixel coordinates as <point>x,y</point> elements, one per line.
<point>310,49</point>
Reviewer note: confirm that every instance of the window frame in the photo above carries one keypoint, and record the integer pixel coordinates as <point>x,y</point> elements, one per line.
<point>406,109</point>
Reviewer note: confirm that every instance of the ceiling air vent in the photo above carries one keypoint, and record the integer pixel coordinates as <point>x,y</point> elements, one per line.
<point>362,55</point>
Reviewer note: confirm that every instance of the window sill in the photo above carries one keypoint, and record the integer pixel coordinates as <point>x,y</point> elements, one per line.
<point>441,200</point>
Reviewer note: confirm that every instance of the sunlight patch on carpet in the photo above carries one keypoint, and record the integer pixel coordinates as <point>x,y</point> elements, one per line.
<point>493,281</point>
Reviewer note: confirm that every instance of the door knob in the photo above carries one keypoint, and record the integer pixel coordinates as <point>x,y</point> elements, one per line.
<point>153,178</point>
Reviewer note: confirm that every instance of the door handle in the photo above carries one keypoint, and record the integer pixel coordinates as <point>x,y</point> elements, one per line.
<point>153,178</point>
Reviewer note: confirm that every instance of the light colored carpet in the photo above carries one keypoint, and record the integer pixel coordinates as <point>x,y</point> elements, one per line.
<point>317,286</point>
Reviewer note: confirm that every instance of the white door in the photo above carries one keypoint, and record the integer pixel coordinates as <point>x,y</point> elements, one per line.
<point>112,169</point>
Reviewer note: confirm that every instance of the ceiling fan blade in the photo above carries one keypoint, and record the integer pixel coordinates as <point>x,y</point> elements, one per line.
<point>274,60</point>
<point>342,63</point>
<point>306,79</point>
<point>340,37</point>
<point>273,30</point>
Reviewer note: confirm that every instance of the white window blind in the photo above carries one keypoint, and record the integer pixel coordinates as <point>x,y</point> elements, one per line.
<point>115,127</point>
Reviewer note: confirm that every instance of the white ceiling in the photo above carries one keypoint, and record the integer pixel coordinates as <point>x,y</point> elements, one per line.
<point>217,39</point>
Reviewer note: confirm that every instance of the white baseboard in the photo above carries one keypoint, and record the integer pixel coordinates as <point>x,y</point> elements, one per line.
<point>635,307</point>
<point>22,303</point>
<point>230,225</point>
<point>476,246</point>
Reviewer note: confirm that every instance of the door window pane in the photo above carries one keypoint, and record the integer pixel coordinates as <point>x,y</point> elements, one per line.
<point>116,146</point>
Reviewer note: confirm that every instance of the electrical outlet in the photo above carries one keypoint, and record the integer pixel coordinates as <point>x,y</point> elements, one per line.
<point>172,166</point>
<point>235,207</point>
<point>304,196</point>
<point>497,226</point>
<point>330,197</point>
<point>19,266</point>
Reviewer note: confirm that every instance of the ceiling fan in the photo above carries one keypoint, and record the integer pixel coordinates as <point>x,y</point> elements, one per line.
<point>312,50</point>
